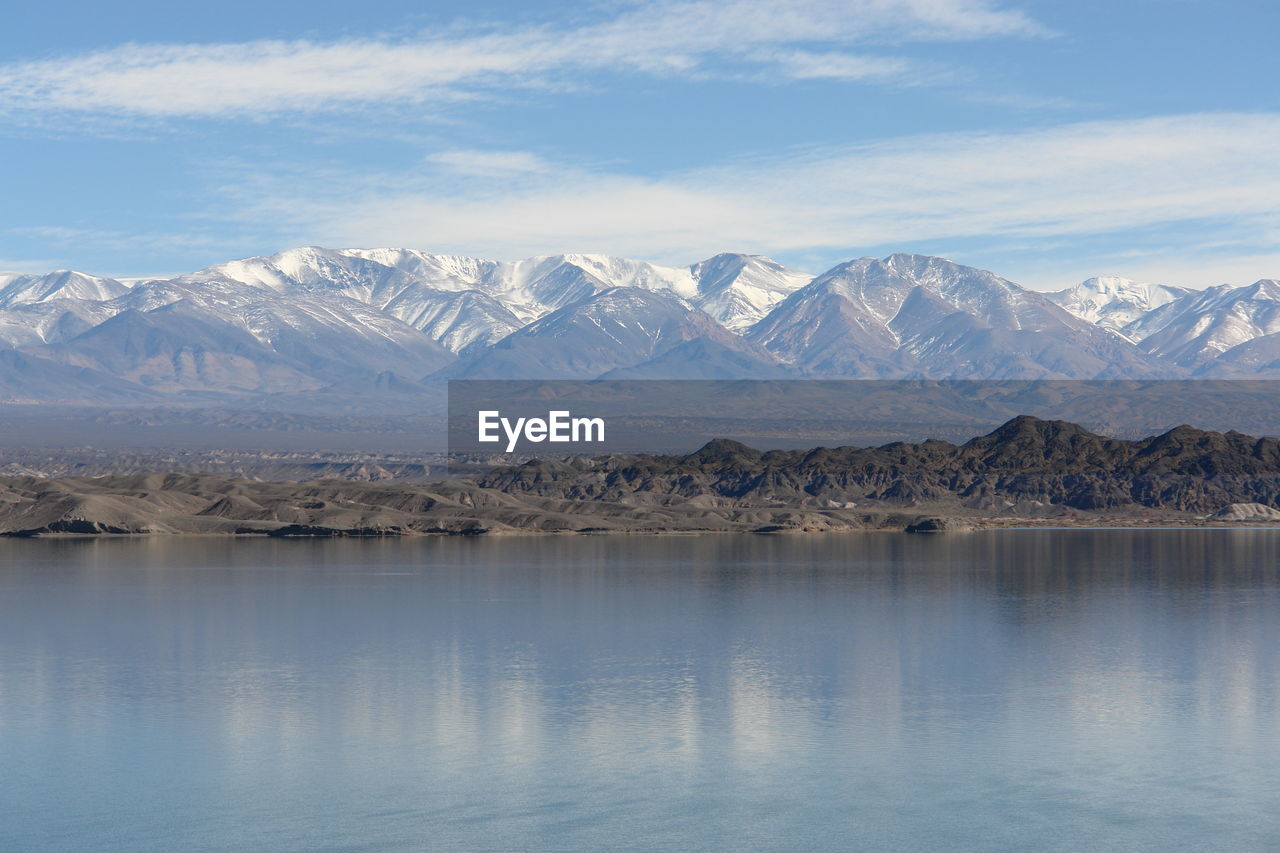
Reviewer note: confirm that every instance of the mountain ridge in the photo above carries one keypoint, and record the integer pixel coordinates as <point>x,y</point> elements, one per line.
<point>342,317</point>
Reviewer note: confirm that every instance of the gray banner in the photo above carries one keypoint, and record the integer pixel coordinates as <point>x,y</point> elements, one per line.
<point>520,419</point>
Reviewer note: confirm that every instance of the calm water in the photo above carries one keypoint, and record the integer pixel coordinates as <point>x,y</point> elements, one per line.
<point>1020,690</point>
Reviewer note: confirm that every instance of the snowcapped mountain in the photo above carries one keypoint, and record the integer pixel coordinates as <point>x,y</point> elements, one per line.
<point>179,347</point>
<point>210,332</point>
<point>739,290</point>
<point>460,321</point>
<point>38,323</point>
<point>336,321</point>
<point>423,289</point>
<point>1204,325</point>
<point>622,327</point>
<point>18,290</point>
<point>38,309</point>
<point>1114,302</point>
<point>919,316</point>
<point>828,328</point>
<point>1255,359</point>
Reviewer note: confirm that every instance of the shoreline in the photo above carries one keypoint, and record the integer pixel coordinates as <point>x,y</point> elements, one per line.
<point>1017,526</point>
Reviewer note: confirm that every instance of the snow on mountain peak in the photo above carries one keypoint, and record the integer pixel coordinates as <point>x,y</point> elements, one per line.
<point>739,290</point>
<point>914,315</point>
<point>735,290</point>
<point>1204,324</point>
<point>1114,302</point>
<point>60,284</point>
<point>324,313</point>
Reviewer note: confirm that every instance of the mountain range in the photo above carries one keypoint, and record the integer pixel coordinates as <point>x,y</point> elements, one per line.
<point>311,320</point>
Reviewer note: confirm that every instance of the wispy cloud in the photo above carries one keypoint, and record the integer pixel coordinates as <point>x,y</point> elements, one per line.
<point>1183,200</point>
<point>808,65</point>
<point>490,163</point>
<point>261,78</point>
<point>1054,184</point>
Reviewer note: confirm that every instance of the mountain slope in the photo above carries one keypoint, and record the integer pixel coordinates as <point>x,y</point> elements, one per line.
<point>739,290</point>
<point>178,347</point>
<point>708,358</point>
<point>1199,327</point>
<point>621,327</point>
<point>218,334</point>
<point>35,323</point>
<point>458,320</point>
<point>913,315</point>
<point>342,338</point>
<point>827,328</point>
<point>26,378</point>
<point>1258,358</point>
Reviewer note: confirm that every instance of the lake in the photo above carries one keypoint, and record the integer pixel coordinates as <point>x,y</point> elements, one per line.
<point>1002,690</point>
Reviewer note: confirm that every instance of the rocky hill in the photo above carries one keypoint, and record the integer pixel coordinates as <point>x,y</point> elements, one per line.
<point>1027,461</point>
<point>1027,471</point>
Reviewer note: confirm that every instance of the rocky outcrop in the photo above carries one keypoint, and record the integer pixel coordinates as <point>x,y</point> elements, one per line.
<point>1027,462</point>
<point>939,524</point>
<point>1249,512</point>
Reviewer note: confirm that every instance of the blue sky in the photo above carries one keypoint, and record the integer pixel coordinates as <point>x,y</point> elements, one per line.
<point>1048,141</point>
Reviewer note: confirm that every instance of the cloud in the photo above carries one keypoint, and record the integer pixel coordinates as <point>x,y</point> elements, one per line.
<point>1056,184</point>
<point>263,78</point>
<point>807,65</point>
<point>490,163</point>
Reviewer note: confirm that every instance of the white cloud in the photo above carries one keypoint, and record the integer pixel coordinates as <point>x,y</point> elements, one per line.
<point>490,163</point>
<point>807,65</point>
<point>271,77</point>
<point>1056,184</point>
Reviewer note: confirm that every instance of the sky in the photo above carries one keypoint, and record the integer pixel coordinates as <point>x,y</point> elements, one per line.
<point>1046,141</point>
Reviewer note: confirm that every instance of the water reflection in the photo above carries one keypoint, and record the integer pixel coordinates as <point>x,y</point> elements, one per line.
<point>994,691</point>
